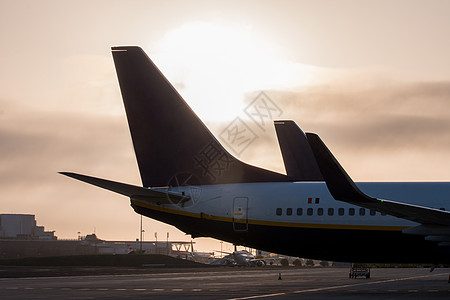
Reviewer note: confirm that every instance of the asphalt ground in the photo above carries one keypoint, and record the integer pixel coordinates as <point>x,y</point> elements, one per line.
<point>235,283</point>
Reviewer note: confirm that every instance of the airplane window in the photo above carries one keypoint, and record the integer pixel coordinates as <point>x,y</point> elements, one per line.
<point>362,211</point>
<point>331,211</point>
<point>309,212</point>
<point>299,211</point>
<point>320,211</point>
<point>279,211</point>
<point>373,212</point>
<point>341,211</point>
<point>351,211</point>
<point>289,211</point>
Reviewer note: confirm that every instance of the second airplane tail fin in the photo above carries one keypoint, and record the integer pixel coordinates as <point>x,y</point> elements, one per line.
<point>172,145</point>
<point>298,157</point>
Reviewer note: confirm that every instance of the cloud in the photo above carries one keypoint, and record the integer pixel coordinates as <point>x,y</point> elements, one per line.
<point>378,129</point>
<point>36,145</point>
<point>389,131</point>
<point>394,116</point>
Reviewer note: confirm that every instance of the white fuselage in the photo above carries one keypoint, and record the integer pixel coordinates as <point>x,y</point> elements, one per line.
<point>309,202</point>
<point>303,219</point>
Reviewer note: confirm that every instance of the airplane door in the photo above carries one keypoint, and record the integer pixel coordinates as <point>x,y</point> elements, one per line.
<point>240,214</point>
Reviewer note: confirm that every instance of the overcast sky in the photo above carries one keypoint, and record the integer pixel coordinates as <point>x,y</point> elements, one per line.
<point>372,78</point>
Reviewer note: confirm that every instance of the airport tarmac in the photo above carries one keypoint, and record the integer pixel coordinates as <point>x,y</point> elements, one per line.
<point>236,283</point>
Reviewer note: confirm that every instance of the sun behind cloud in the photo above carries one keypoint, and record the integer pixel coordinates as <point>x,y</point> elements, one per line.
<point>210,63</point>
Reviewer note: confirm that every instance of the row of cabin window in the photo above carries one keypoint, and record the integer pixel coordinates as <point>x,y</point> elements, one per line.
<point>310,211</point>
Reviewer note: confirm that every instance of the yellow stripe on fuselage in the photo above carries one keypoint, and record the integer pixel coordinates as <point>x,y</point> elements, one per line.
<point>266,223</point>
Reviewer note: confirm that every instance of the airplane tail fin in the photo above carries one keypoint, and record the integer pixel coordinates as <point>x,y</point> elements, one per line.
<point>298,157</point>
<point>343,188</point>
<point>339,183</point>
<point>172,145</point>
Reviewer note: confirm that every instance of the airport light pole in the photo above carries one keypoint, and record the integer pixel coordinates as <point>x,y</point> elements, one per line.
<point>140,249</point>
<point>167,244</point>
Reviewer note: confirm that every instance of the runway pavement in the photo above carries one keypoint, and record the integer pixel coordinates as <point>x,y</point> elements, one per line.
<point>236,283</point>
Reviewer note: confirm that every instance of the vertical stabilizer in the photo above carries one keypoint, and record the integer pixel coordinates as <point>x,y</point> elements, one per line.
<point>298,157</point>
<point>172,145</point>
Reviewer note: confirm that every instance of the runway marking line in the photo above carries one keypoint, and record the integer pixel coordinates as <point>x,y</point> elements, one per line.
<point>334,287</point>
<point>260,296</point>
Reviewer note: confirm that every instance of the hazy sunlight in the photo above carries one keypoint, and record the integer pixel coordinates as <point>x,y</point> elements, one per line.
<point>212,64</point>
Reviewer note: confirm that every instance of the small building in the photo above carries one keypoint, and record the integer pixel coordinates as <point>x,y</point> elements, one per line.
<point>23,226</point>
<point>20,237</point>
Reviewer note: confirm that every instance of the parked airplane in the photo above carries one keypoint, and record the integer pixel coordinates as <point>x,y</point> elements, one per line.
<point>201,257</point>
<point>240,258</point>
<point>190,181</point>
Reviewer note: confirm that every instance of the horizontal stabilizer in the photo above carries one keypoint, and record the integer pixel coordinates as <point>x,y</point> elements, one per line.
<point>342,188</point>
<point>129,190</point>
